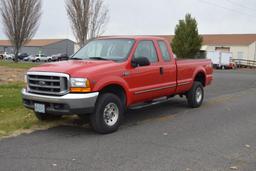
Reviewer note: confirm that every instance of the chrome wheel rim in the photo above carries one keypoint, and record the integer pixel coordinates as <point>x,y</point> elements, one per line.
<point>111,114</point>
<point>199,95</point>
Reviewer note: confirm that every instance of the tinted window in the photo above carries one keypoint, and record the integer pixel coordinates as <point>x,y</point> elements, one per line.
<point>164,51</point>
<point>146,49</point>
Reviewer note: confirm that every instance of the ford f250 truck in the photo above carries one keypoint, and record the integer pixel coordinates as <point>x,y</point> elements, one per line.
<point>109,75</point>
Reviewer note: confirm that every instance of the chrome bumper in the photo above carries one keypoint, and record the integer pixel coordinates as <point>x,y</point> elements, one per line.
<point>62,105</point>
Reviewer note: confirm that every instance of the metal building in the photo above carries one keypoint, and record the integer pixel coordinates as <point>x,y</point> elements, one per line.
<point>43,46</point>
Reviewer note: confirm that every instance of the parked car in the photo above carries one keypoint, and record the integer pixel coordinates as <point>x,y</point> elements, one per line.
<point>121,73</point>
<point>1,55</point>
<point>21,56</point>
<point>28,58</point>
<point>60,57</point>
<point>41,58</point>
<point>8,56</point>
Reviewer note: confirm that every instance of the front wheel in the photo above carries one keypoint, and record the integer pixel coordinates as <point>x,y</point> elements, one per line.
<point>195,95</point>
<point>46,117</point>
<point>108,114</point>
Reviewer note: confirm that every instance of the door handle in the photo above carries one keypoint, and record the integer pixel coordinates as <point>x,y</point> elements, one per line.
<point>161,70</point>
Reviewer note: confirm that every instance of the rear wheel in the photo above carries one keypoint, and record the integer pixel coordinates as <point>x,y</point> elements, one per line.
<point>46,117</point>
<point>195,95</point>
<point>108,114</point>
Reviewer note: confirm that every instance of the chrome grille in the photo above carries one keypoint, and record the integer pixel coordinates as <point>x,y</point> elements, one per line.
<point>48,83</point>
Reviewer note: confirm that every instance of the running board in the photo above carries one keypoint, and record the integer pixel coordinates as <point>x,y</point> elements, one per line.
<point>154,102</point>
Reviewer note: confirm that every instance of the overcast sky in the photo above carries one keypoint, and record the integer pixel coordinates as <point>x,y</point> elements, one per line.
<point>156,17</point>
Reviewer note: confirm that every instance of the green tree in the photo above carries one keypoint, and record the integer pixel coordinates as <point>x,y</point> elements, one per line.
<point>187,42</point>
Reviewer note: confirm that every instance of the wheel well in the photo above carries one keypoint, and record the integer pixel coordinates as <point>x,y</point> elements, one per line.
<point>200,77</point>
<point>117,90</point>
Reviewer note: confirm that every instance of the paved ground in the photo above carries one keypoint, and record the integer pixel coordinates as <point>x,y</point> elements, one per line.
<point>219,136</point>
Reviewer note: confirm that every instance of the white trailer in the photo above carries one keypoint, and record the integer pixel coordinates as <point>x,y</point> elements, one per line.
<point>214,56</point>
<point>220,59</point>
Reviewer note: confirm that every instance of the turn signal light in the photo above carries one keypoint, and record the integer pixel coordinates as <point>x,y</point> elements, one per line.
<point>79,90</point>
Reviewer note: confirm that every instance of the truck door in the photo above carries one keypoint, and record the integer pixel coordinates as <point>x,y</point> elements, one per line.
<point>168,69</point>
<point>145,81</point>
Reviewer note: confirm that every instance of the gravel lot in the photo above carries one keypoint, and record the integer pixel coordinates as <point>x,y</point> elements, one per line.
<point>221,135</point>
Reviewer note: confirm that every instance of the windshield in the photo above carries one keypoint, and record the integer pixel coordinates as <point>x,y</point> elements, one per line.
<point>108,49</point>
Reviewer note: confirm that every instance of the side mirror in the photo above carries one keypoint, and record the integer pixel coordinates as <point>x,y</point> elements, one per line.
<point>140,61</point>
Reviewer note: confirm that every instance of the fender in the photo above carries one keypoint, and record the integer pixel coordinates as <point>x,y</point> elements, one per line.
<point>113,80</point>
<point>198,70</point>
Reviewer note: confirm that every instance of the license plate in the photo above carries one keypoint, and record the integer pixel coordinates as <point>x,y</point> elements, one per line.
<point>40,108</point>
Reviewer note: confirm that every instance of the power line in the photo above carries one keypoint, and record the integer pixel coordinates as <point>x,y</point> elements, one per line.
<point>226,8</point>
<point>241,5</point>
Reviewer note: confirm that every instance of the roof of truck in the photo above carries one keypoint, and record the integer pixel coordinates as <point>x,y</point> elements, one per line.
<point>133,37</point>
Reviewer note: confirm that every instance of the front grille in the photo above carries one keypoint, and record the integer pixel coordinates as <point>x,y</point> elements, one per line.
<point>47,83</point>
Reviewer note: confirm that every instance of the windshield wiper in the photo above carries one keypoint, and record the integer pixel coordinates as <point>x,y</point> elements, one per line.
<point>75,58</point>
<point>99,58</point>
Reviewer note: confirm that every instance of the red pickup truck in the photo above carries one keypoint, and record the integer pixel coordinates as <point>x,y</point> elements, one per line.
<point>111,74</point>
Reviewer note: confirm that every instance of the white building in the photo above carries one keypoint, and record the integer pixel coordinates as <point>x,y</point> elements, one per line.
<point>242,46</point>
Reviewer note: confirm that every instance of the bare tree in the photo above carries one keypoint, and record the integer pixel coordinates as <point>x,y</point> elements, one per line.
<point>20,20</point>
<point>78,12</point>
<point>98,18</point>
<point>88,18</point>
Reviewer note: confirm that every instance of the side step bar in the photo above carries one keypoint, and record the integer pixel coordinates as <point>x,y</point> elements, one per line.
<point>147,104</point>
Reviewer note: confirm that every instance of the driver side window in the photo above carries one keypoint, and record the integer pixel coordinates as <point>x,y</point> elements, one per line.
<point>146,49</point>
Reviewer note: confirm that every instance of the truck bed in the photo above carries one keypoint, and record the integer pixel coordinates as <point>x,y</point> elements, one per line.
<point>186,70</point>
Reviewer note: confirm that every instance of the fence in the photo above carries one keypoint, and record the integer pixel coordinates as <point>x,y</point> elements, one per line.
<point>244,63</point>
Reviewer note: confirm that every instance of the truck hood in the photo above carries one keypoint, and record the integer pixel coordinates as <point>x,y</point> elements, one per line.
<point>73,67</point>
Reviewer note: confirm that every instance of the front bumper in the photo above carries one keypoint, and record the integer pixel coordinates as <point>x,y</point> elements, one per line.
<point>62,105</point>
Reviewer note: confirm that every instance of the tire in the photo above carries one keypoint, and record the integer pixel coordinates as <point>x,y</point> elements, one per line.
<point>49,60</point>
<point>37,60</point>
<point>101,121</point>
<point>46,117</point>
<point>195,95</point>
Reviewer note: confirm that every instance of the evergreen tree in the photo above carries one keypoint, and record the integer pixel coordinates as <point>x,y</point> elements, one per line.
<point>187,42</point>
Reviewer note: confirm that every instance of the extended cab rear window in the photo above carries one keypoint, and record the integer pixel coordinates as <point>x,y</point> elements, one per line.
<point>164,50</point>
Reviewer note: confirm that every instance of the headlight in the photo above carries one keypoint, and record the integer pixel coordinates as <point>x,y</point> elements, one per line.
<point>80,85</point>
<point>78,82</point>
